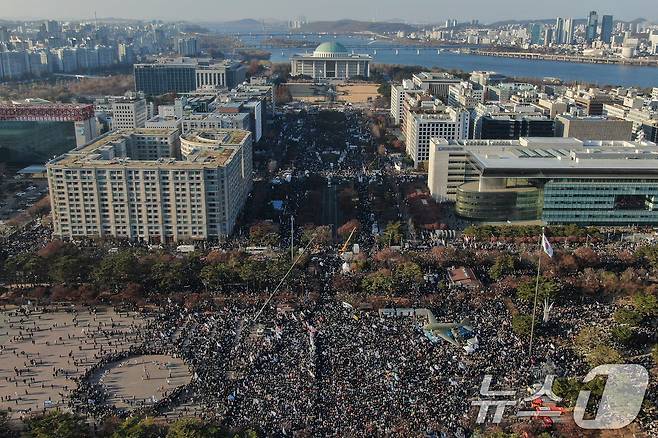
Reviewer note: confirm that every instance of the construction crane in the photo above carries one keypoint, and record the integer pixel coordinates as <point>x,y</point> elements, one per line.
<point>347,242</point>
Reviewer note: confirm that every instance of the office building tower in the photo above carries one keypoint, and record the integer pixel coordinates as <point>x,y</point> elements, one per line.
<point>152,185</point>
<point>465,95</point>
<point>606,28</point>
<point>556,180</point>
<point>591,31</point>
<point>485,78</point>
<point>183,75</point>
<point>215,120</point>
<point>447,122</point>
<point>220,74</point>
<point>548,36</point>
<point>515,126</point>
<point>129,113</point>
<point>55,127</point>
<point>535,33</point>
<point>436,83</point>
<point>593,128</point>
<point>649,131</point>
<point>558,35</point>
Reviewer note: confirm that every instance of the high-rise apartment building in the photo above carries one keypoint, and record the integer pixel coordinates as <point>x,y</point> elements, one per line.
<point>152,185</point>
<point>188,46</point>
<point>568,31</point>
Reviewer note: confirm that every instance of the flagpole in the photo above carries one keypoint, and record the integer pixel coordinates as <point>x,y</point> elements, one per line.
<point>534,307</point>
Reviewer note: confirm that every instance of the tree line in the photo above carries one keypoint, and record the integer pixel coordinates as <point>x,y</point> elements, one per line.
<point>58,424</point>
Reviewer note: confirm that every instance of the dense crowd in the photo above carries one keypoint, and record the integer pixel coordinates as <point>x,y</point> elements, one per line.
<point>333,371</point>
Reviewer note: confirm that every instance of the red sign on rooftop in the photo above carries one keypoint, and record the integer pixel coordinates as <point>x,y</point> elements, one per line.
<point>46,112</point>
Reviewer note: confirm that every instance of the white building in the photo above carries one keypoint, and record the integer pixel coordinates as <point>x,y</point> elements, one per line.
<point>215,120</point>
<point>466,94</point>
<point>398,95</point>
<point>437,83</point>
<point>447,123</point>
<point>331,60</point>
<point>129,113</point>
<point>212,76</point>
<point>143,185</point>
<point>163,122</point>
<point>448,169</point>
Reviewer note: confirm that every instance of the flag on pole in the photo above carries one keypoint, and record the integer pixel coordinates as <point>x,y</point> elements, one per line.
<point>546,245</point>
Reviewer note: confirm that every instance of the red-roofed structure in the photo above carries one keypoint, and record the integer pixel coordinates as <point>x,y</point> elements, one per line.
<point>58,112</point>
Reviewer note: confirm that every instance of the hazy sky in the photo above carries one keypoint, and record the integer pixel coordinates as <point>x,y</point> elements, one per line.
<point>409,10</point>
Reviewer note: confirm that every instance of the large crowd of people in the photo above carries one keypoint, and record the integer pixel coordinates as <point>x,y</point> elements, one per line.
<point>334,371</point>
<point>318,367</point>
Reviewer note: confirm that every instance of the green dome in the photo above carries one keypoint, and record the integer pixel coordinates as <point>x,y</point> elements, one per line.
<point>330,48</point>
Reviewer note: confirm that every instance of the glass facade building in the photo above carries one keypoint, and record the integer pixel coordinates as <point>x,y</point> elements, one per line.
<point>24,142</point>
<point>555,180</point>
<point>513,204</point>
<point>600,201</point>
<point>157,79</point>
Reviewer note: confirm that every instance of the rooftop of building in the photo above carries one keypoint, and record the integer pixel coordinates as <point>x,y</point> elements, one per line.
<point>161,118</point>
<point>435,113</point>
<point>518,117</point>
<point>513,86</point>
<point>216,115</point>
<point>216,137</point>
<point>430,76</point>
<point>333,50</point>
<point>550,157</point>
<point>571,117</point>
<point>190,62</point>
<point>332,47</point>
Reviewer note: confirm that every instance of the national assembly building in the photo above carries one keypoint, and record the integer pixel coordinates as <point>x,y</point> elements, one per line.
<point>152,185</point>
<point>331,61</point>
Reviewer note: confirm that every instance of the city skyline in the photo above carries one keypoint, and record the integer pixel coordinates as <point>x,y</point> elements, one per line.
<point>420,12</point>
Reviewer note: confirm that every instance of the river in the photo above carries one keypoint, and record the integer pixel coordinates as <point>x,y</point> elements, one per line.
<point>600,74</point>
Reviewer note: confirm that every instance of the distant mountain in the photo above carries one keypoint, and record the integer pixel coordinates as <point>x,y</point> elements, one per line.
<point>577,21</point>
<point>246,26</point>
<point>343,26</point>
